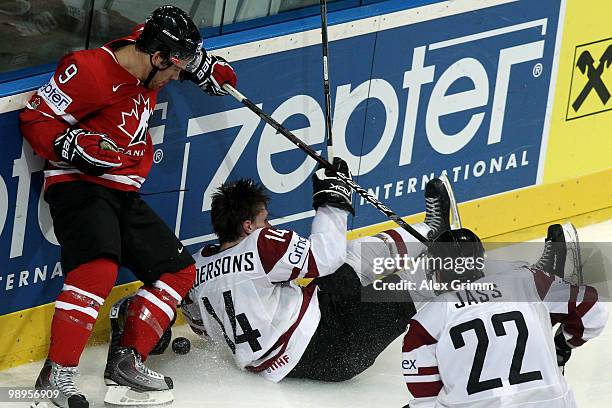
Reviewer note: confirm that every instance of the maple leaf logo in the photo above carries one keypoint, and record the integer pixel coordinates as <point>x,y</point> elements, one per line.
<point>136,122</point>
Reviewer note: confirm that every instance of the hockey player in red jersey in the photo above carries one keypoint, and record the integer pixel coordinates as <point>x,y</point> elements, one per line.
<point>90,121</point>
<point>245,293</point>
<point>493,346</point>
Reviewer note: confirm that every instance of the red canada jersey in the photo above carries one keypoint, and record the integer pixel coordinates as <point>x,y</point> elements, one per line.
<point>90,90</point>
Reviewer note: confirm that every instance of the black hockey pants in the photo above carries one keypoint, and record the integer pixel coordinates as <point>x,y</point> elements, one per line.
<point>351,333</point>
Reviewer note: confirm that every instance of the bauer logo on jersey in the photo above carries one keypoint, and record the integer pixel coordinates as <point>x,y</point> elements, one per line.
<point>57,100</point>
<point>135,122</point>
<point>591,80</point>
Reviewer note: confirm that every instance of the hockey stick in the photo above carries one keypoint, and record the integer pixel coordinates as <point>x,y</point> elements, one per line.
<point>328,120</point>
<point>304,147</point>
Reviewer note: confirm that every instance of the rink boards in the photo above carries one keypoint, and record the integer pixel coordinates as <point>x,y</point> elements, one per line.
<point>485,90</point>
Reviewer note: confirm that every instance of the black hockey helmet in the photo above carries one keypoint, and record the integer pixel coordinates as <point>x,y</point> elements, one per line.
<point>457,255</point>
<point>172,32</point>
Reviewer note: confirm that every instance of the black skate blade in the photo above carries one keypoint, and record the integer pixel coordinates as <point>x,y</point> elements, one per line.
<point>121,396</point>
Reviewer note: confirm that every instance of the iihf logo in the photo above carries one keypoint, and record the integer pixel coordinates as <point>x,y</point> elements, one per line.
<point>589,93</point>
<point>135,123</point>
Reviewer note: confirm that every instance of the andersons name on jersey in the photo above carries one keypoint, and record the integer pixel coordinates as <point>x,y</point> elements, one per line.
<point>224,265</point>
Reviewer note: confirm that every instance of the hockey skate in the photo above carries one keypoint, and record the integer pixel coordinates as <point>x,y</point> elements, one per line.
<point>561,254</point>
<point>58,378</point>
<point>132,383</point>
<point>439,202</point>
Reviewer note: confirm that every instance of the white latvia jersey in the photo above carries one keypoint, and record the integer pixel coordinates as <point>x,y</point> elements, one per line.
<point>494,348</point>
<point>245,296</point>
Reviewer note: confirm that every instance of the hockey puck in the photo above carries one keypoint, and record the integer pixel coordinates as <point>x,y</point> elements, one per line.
<point>181,345</point>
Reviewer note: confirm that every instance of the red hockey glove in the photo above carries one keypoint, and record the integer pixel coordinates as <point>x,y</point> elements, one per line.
<point>92,153</point>
<point>212,73</point>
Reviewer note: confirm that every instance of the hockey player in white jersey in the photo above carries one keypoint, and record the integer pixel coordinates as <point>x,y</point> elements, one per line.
<point>492,346</point>
<point>245,293</point>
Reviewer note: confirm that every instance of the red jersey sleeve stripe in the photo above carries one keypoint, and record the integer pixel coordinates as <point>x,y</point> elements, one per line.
<point>589,299</point>
<point>577,329</point>
<point>283,340</point>
<point>556,318</point>
<point>572,323</point>
<point>543,282</point>
<point>295,273</point>
<point>425,389</point>
<point>313,270</point>
<point>428,370</point>
<point>571,305</point>
<point>417,337</point>
<point>271,248</point>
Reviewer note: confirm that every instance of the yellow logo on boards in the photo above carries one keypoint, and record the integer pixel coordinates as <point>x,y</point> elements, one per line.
<point>591,87</point>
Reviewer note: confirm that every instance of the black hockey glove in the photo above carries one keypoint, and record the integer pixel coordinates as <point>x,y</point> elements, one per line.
<point>329,189</point>
<point>92,153</point>
<point>211,74</point>
<point>564,351</point>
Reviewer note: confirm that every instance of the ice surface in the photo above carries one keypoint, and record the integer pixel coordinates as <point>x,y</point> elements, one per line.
<point>207,377</point>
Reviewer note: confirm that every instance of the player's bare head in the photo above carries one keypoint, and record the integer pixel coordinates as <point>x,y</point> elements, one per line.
<point>456,255</point>
<point>234,203</point>
<point>173,43</point>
